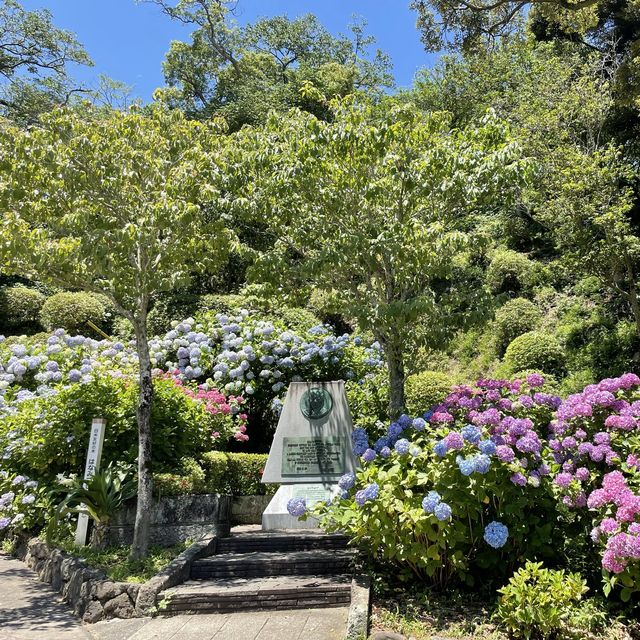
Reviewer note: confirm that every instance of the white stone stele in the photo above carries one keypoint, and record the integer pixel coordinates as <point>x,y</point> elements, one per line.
<point>314,485</point>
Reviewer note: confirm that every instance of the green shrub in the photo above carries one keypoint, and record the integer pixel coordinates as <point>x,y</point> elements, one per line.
<point>538,602</point>
<point>237,474</point>
<point>181,427</point>
<point>215,467</point>
<point>536,350</point>
<point>190,481</point>
<point>20,308</point>
<point>514,318</point>
<point>72,310</point>
<point>425,390</point>
<point>510,272</point>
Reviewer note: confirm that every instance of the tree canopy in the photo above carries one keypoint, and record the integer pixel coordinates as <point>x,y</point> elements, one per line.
<point>245,72</point>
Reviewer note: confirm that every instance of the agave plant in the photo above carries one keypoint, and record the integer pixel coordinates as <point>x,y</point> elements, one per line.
<point>100,497</point>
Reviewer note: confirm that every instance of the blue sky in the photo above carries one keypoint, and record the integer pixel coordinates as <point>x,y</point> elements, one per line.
<point>127,41</point>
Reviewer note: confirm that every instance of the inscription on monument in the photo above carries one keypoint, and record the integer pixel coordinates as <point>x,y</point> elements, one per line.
<point>313,456</point>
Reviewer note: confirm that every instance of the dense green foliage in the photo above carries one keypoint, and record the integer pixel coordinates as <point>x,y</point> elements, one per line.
<point>20,308</point>
<point>538,602</point>
<point>535,350</point>
<point>72,311</point>
<point>426,390</point>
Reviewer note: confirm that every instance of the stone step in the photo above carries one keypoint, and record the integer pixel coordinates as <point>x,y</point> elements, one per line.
<point>280,542</point>
<point>256,594</point>
<point>273,563</point>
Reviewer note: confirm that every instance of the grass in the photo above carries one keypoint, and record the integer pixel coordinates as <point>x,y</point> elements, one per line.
<point>463,617</point>
<point>115,562</point>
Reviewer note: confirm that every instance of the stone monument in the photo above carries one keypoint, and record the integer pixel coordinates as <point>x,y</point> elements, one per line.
<point>311,449</point>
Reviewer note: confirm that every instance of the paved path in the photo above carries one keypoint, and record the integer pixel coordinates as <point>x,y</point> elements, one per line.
<point>30,610</point>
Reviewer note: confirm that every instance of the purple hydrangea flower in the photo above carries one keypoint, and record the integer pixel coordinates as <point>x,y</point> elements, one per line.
<point>518,479</point>
<point>385,452</point>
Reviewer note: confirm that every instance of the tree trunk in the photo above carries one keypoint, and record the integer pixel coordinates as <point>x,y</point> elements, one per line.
<point>99,535</point>
<point>392,344</point>
<point>140,544</point>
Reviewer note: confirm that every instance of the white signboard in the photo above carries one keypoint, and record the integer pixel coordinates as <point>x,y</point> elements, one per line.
<point>94,454</point>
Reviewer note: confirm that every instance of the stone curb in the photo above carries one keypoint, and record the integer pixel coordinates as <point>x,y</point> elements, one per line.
<point>175,573</point>
<point>358,619</point>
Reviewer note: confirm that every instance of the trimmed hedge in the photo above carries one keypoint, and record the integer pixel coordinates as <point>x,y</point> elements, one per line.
<point>237,474</point>
<point>510,272</point>
<point>20,307</point>
<point>536,350</point>
<point>425,390</point>
<point>514,318</point>
<point>71,310</point>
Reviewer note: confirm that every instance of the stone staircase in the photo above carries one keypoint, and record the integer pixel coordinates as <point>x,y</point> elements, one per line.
<point>253,570</point>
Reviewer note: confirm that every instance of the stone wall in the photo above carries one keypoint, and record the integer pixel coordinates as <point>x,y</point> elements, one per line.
<point>90,593</point>
<point>248,509</point>
<point>176,518</point>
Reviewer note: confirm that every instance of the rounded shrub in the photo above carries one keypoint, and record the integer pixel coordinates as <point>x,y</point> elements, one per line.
<point>71,311</point>
<point>514,318</point>
<point>509,272</point>
<point>20,307</point>
<point>536,350</point>
<point>426,389</point>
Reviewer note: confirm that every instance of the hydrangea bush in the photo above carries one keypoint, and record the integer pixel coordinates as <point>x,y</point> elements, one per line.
<point>24,503</point>
<point>443,495</point>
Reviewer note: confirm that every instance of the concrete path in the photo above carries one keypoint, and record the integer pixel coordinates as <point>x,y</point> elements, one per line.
<point>30,610</point>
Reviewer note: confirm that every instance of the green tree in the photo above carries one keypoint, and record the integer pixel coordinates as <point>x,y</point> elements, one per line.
<point>34,57</point>
<point>377,206</point>
<point>245,72</point>
<point>123,206</point>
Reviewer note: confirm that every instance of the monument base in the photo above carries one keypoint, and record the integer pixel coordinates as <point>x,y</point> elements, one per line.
<point>276,516</point>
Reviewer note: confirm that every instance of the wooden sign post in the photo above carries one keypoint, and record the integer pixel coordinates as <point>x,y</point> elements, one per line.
<point>94,454</point>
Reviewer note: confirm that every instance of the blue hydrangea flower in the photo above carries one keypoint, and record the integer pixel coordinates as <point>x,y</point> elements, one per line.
<point>440,448</point>
<point>380,443</point>
<point>488,447</point>
<point>415,451</point>
<point>496,534</point>
<point>394,430</point>
<point>360,441</point>
<point>402,446</point>
<point>442,511</point>
<point>419,424</point>
<point>385,452</point>
<point>371,491</point>
<point>471,433</point>
<point>482,463</point>
<point>347,481</point>
<point>431,501</point>
<point>369,455</point>
<point>466,465</point>
<point>360,497</point>
<point>297,507</point>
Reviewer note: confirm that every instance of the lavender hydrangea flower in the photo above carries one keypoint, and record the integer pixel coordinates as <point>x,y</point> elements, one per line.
<point>4,523</point>
<point>360,497</point>
<point>496,534</point>
<point>518,479</point>
<point>369,455</point>
<point>28,499</point>
<point>297,507</point>
<point>385,452</point>
<point>419,424</point>
<point>415,451</point>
